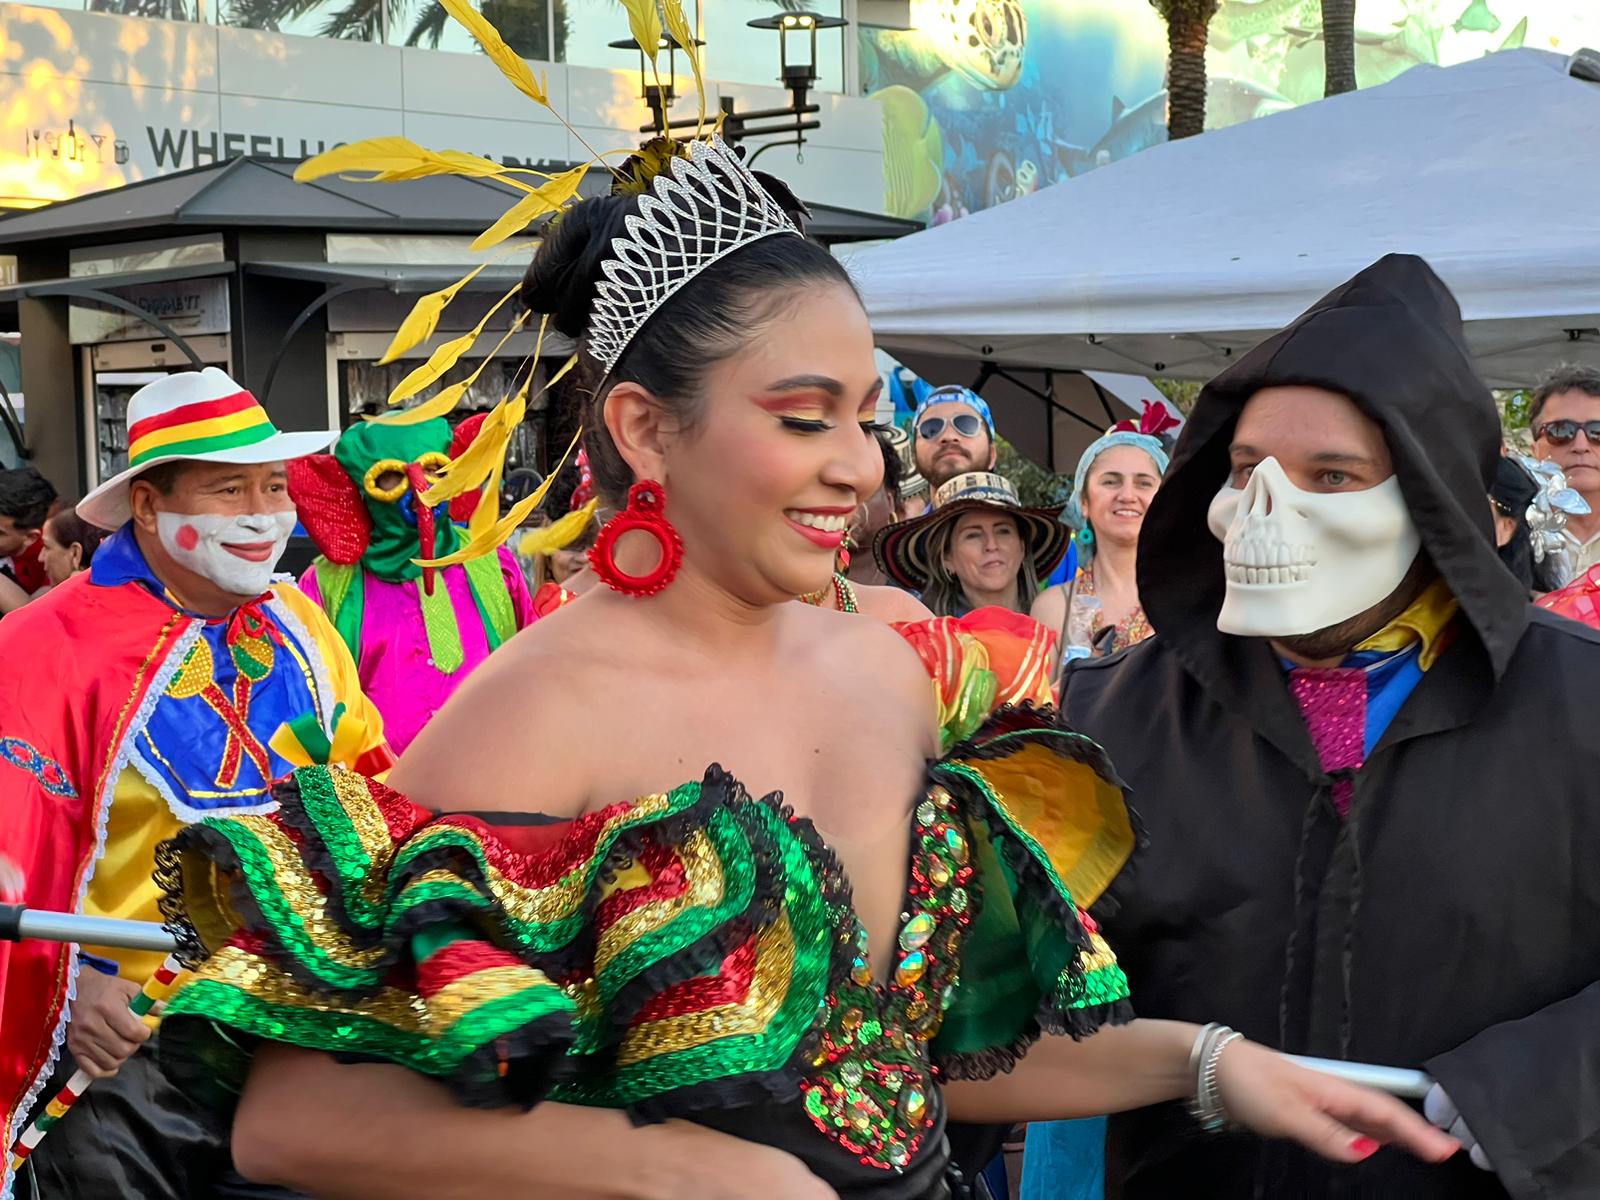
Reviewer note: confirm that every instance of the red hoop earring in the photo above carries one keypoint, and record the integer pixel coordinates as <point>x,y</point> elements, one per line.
<point>646,512</point>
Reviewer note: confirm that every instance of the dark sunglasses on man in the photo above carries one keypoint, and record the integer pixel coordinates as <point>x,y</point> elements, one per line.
<point>1559,433</point>
<point>967,425</point>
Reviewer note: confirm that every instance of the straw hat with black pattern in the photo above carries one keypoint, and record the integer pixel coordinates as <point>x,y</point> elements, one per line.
<point>903,550</point>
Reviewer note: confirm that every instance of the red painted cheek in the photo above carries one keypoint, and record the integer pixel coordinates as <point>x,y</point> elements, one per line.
<point>187,537</point>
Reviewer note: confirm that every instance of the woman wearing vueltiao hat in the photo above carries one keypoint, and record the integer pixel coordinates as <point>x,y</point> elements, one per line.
<point>657,983</point>
<point>978,547</point>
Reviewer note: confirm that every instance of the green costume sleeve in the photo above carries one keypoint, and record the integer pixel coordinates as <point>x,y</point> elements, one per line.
<point>1049,833</point>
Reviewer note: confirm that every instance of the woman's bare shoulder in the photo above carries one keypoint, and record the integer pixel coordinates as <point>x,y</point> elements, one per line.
<point>878,657</point>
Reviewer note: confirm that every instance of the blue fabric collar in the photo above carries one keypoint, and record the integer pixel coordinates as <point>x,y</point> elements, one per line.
<point>119,560</point>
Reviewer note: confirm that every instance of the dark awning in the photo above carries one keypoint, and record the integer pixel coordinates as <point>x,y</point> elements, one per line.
<point>260,193</point>
<point>86,285</point>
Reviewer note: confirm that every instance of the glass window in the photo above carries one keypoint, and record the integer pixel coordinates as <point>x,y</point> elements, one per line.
<point>525,25</point>
<point>358,20</point>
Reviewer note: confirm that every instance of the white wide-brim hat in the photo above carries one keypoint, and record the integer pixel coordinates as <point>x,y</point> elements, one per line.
<point>200,416</point>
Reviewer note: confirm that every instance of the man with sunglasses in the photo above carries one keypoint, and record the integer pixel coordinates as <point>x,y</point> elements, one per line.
<point>954,434</point>
<point>1565,419</point>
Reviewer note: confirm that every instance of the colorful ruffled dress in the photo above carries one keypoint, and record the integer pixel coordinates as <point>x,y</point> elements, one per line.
<point>693,953</point>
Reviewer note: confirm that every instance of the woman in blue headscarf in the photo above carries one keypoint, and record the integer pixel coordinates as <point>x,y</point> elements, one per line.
<point>1117,477</point>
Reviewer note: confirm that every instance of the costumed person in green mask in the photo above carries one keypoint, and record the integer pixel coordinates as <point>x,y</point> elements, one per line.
<point>416,632</point>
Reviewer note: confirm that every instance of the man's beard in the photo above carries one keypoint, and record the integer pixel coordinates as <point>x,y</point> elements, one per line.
<point>944,468</point>
<point>1336,641</point>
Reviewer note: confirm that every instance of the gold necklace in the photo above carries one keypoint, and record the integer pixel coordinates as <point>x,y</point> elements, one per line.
<point>844,594</point>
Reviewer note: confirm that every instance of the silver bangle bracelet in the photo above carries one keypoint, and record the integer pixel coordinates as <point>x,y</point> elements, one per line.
<point>1199,1046</point>
<point>1208,1108</point>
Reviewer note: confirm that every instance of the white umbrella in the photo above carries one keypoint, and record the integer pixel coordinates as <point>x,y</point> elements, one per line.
<point>1175,260</point>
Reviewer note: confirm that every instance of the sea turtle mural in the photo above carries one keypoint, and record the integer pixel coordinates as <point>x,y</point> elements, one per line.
<point>982,42</point>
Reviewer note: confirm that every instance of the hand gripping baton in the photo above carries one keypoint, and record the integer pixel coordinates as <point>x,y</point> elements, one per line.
<point>17,923</point>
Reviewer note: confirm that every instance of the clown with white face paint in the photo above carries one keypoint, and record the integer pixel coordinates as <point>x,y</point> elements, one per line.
<point>183,681</point>
<point>1364,763</point>
<point>238,554</point>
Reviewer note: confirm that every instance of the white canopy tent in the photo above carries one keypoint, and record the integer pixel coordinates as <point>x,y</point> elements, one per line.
<point>1175,260</point>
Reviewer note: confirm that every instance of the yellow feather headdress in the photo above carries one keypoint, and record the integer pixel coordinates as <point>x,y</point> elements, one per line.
<point>391,159</point>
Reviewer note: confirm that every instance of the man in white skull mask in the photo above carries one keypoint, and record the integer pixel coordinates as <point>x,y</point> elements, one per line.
<point>172,681</point>
<point>1352,852</point>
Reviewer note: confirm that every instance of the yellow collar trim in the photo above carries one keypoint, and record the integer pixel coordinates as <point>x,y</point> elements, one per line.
<point>1425,620</point>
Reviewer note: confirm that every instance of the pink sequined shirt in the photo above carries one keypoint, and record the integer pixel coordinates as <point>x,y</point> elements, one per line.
<point>395,663</point>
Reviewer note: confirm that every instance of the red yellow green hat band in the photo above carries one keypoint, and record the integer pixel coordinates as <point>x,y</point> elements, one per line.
<point>201,428</point>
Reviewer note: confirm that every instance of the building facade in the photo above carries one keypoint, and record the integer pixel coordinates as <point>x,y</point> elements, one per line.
<point>159,93</point>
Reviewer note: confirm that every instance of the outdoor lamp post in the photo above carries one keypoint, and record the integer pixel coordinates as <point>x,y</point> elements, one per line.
<point>658,96</point>
<point>797,71</point>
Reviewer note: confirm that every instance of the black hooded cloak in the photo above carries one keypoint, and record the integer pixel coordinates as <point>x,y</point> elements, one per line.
<point>1453,921</point>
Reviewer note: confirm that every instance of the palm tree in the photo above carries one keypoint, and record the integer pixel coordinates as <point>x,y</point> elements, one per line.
<point>1339,45</point>
<point>524,24</point>
<point>1188,25</point>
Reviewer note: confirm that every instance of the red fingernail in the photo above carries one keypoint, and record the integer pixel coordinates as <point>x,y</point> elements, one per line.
<point>1364,1147</point>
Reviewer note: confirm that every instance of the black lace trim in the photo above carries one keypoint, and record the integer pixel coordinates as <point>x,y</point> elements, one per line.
<point>978,1065</point>
<point>191,952</point>
<point>1079,1023</point>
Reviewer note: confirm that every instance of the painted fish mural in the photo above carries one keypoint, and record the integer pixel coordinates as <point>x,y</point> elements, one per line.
<point>1228,101</point>
<point>987,100</point>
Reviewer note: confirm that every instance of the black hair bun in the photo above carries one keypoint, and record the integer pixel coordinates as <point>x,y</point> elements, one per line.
<point>565,271</point>
<point>794,207</point>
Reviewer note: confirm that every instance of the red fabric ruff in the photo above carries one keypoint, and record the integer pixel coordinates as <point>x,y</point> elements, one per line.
<point>330,507</point>
<point>730,986</point>
<point>251,943</point>
<point>457,961</point>
<point>401,817</point>
<point>542,869</point>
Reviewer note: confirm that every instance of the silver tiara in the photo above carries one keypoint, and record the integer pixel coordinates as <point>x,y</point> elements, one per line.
<point>698,210</point>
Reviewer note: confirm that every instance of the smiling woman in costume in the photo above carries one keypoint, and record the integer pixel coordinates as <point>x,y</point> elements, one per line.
<point>703,993</point>
<point>1117,477</point>
<point>978,548</point>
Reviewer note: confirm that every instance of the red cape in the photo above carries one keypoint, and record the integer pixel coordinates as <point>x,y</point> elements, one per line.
<point>79,665</point>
